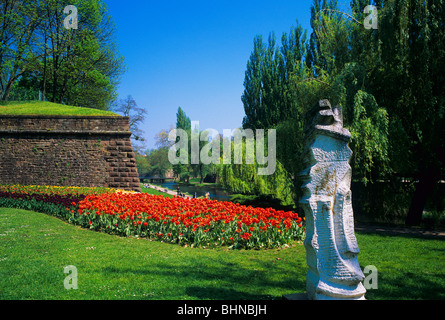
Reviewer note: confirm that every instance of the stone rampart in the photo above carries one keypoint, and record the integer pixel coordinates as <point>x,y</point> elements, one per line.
<point>89,151</point>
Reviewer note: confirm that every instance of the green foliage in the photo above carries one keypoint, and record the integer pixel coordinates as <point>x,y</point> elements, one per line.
<point>183,122</point>
<point>369,131</point>
<point>194,167</point>
<point>158,161</point>
<point>48,108</point>
<point>268,97</point>
<point>244,179</point>
<point>78,66</point>
<point>143,165</point>
<point>409,82</point>
<point>52,209</point>
<point>389,83</point>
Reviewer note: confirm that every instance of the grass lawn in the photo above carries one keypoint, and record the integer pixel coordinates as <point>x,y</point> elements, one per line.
<point>155,192</point>
<point>35,248</point>
<point>48,108</point>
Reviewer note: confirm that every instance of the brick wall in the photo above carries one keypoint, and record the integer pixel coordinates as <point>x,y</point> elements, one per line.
<point>67,151</point>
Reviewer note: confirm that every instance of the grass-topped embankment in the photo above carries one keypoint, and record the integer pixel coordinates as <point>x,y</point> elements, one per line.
<point>48,108</point>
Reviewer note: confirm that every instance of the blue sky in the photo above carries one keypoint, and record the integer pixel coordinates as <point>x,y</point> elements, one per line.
<point>193,54</point>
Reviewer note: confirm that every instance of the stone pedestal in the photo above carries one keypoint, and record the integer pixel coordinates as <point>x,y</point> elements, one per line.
<point>331,246</point>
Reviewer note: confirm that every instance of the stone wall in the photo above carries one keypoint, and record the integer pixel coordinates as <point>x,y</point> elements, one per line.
<point>67,151</point>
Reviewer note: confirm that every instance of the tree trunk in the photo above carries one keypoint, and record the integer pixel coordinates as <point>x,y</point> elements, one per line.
<point>9,85</point>
<point>44,69</point>
<point>201,175</point>
<point>5,96</point>
<point>55,78</point>
<point>424,188</point>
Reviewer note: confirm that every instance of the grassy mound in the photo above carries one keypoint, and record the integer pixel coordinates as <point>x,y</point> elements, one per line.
<point>48,108</point>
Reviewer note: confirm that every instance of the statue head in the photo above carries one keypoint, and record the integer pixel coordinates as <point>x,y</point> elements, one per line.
<point>323,117</point>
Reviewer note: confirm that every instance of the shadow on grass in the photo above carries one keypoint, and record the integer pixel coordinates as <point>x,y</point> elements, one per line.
<point>405,232</point>
<point>223,280</point>
<point>416,275</point>
<point>408,286</point>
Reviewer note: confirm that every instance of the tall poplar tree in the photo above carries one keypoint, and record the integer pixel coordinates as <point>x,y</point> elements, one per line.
<point>183,122</point>
<point>252,96</point>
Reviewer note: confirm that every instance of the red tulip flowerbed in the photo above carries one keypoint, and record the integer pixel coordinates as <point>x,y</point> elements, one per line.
<point>195,222</point>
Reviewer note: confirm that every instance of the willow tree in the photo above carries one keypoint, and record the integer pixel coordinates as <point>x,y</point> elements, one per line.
<point>410,82</point>
<point>390,83</point>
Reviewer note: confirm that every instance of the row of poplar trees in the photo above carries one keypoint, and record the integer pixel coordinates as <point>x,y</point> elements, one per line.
<point>390,82</point>
<point>38,53</point>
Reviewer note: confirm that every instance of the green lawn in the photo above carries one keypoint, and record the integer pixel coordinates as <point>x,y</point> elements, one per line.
<point>48,108</point>
<point>35,248</point>
<point>155,192</point>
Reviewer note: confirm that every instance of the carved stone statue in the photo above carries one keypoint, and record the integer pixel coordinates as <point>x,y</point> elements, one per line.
<point>331,246</point>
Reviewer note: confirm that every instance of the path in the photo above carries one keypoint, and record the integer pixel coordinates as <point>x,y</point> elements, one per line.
<point>400,231</point>
<point>165,190</point>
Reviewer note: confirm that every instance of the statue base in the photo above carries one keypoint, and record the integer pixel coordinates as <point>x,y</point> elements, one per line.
<point>304,296</point>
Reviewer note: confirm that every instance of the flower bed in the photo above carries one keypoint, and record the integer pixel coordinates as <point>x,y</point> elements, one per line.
<point>52,200</point>
<point>198,222</point>
<point>54,190</point>
<point>194,222</point>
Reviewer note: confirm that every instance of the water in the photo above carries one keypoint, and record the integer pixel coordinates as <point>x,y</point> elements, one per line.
<point>216,193</point>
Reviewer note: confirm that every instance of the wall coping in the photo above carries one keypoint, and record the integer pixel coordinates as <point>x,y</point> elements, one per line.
<point>63,124</point>
<point>67,132</point>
